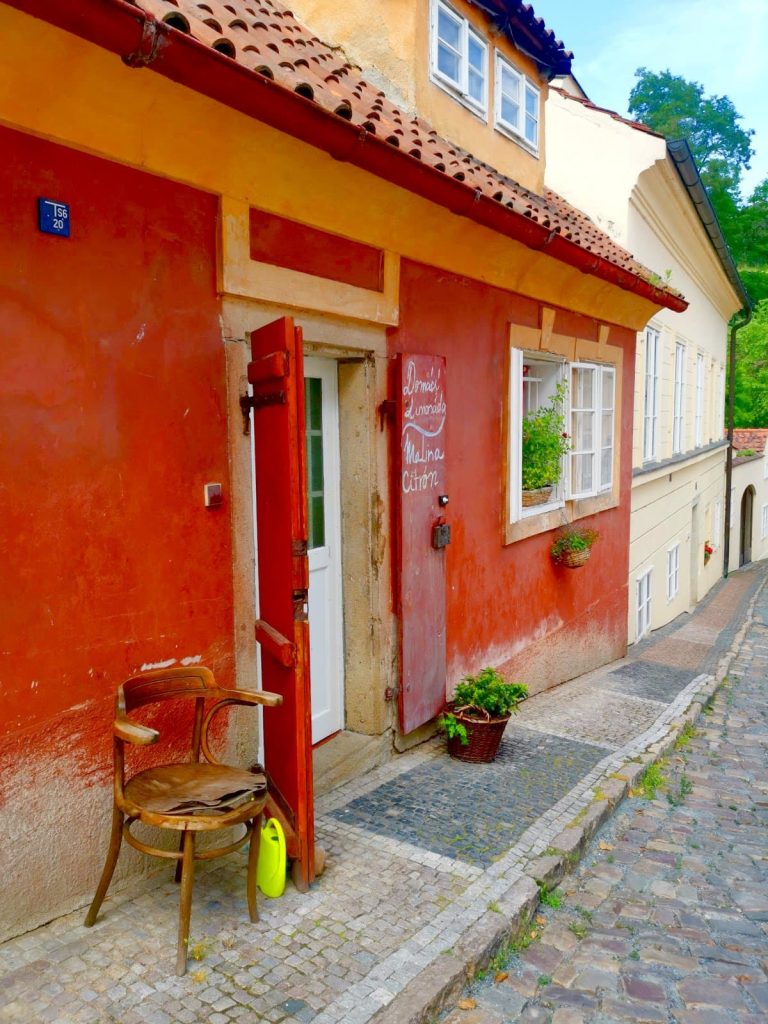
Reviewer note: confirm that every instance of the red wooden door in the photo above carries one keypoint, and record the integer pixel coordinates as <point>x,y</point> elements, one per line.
<point>277,376</point>
<point>420,407</point>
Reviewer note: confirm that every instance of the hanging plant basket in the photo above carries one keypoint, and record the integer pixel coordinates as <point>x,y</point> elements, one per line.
<point>574,559</point>
<point>573,546</point>
<point>538,496</point>
<point>483,739</point>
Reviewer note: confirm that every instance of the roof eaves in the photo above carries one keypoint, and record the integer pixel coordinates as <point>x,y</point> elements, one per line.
<point>685,164</point>
<point>547,225</point>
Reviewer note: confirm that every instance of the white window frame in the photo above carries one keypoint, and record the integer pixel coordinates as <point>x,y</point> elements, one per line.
<point>651,406</point>
<point>673,571</point>
<point>717,524</point>
<point>764,523</point>
<point>643,603</point>
<point>601,481</point>
<point>458,89</point>
<point>526,89</point>
<point>518,357</point>
<point>679,399</point>
<point>699,416</point>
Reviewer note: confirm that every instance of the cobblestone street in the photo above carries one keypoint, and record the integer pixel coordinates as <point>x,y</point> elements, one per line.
<point>429,858</point>
<point>667,917</point>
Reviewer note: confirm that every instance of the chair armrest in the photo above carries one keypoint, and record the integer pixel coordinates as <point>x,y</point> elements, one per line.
<point>132,732</point>
<point>270,700</point>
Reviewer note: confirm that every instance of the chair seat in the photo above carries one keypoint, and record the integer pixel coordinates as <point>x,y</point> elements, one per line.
<point>189,789</point>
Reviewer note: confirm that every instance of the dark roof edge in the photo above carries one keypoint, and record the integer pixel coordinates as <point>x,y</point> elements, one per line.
<point>519,22</point>
<point>685,164</point>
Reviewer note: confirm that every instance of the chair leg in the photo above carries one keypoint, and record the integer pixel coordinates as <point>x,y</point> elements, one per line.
<point>115,840</point>
<point>253,863</point>
<point>180,861</point>
<point>185,900</point>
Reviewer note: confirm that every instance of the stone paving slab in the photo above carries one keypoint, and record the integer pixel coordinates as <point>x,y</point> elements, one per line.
<point>397,904</point>
<point>429,805</point>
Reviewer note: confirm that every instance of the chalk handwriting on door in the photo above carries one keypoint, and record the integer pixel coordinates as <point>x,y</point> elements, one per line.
<point>423,424</point>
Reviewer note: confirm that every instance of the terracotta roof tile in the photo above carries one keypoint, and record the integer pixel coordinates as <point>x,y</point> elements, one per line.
<point>267,38</point>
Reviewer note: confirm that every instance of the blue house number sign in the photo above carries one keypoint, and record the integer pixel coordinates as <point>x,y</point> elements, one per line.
<point>53,217</point>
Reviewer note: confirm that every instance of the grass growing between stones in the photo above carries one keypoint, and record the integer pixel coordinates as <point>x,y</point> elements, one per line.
<point>652,779</point>
<point>688,732</point>
<point>677,797</point>
<point>551,897</point>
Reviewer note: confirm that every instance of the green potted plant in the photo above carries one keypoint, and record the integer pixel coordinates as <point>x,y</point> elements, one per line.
<point>572,546</point>
<point>545,443</point>
<point>475,719</point>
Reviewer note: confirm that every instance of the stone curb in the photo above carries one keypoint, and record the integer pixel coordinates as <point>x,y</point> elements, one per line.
<point>438,986</point>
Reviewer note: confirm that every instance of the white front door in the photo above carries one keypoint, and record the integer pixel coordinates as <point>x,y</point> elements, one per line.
<point>326,654</point>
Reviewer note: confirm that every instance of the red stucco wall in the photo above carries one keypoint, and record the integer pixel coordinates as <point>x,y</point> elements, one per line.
<point>510,605</point>
<point>112,417</point>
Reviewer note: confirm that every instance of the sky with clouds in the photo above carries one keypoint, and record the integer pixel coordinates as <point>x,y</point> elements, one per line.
<point>722,44</point>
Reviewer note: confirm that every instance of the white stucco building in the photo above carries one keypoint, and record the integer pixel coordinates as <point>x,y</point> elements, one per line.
<point>646,193</point>
<point>749,498</point>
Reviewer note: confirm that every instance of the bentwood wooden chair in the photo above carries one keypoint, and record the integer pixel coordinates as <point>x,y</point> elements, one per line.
<point>188,797</point>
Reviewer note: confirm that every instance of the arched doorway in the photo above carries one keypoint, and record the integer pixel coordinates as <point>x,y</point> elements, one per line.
<point>745,544</point>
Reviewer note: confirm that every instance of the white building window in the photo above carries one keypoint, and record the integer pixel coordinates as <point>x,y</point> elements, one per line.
<point>592,429</point>
<point>535,383</point>
<point>679,395</point>
<point>643,603</point>
<point>673,571</point>
<point>459,57</point>
<point>574,402</point>
<point>717,524</point>
<point>764,530</point>
<point>517,103</point>
<point>699,420</point>
<point>651,408</point>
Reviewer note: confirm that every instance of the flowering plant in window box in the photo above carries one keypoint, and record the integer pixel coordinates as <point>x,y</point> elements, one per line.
<point>708,550</point>
<point>573,546</point>
<point>545,443</point>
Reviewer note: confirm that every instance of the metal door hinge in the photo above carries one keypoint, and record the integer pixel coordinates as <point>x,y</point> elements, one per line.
<point>386,411</point>
<point>248,402</point>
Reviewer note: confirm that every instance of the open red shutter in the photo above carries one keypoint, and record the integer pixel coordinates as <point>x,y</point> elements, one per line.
<point>277,376</point>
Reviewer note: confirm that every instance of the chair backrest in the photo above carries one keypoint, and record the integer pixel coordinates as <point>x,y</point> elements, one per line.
<point>193,681</point>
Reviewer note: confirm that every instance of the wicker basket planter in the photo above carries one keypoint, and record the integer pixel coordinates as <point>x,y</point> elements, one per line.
<point>573,559</point>
<point>539,496</point>
<point>483,739</point>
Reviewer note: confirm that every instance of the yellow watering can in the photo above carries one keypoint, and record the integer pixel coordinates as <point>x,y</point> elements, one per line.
<point>270,872</point>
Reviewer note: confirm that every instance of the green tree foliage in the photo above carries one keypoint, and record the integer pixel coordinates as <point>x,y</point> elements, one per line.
<point>751,396</point>
<point>678,109</point>
<point>752,243</point>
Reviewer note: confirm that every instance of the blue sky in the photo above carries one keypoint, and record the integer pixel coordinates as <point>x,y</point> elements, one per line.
<point>719,43</point>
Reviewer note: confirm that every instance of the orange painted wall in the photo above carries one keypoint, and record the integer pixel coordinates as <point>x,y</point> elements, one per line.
<point>112,414</point>
<point>505,601</point>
